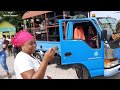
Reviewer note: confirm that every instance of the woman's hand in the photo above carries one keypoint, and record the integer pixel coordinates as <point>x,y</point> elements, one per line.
<point>49,55</point>
<point>94,38</point>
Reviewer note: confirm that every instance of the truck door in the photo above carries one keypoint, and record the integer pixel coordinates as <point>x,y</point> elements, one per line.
<point>88,51</point>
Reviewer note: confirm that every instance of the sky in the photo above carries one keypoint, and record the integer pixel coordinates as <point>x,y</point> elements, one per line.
<point>114,14</point>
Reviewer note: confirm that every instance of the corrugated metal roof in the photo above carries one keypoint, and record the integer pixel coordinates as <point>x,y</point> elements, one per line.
<point>29,14</point>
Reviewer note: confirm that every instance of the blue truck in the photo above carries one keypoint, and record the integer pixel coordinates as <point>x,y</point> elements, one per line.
<point>87,56</point>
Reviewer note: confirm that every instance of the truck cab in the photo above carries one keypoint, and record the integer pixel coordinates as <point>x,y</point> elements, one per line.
<point>85,54</point>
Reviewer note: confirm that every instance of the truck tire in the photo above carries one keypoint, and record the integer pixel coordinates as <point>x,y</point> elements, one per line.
<point>38,56</point>
<point>58,60</point>
<point>82,72</point>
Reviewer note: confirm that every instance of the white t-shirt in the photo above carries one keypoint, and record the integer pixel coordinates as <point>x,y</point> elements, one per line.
<point>24,62</point>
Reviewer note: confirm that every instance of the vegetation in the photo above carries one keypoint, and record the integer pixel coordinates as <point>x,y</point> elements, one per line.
<point>14,20</point>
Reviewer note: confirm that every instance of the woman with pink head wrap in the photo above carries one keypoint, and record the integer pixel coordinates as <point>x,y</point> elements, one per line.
<point>21,37</point>
<point>26,66</point>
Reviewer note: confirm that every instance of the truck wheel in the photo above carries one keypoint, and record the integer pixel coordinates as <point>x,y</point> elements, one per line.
<point>82,72</point>
<point>37,55</point>
<point>58,60</point>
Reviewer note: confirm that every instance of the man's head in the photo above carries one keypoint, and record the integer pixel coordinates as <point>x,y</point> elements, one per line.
<point>12,36</point>
<point>4,36</point>
<point>79,27</point>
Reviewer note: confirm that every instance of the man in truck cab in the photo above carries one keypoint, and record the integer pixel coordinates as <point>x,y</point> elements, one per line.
<point>92,37</point>
<point>79,33</point>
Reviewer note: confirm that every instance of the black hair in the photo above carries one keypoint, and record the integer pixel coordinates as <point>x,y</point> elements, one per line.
<point>4,36</point>
<point>8,36</point>
<point>12,35</point>
<point>21,28</point>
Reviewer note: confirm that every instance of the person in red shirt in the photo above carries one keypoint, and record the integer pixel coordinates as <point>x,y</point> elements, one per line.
<point>79,33</point>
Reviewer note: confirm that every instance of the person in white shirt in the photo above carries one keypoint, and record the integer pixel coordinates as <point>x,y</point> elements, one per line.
<point>25,64</point>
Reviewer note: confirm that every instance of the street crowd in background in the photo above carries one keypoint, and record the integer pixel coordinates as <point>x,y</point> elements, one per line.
<point>7,49</point>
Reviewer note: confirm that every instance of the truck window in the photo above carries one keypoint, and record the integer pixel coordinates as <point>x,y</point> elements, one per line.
<point>109,24</point>
<point>79,33</point>
<point>86,32</point>
<point>93,39</point>
<point>53,33</point>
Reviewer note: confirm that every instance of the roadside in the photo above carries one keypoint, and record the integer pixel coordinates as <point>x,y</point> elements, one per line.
<point>52,70</point>
<point>56,72</point>
<point>10,61</point>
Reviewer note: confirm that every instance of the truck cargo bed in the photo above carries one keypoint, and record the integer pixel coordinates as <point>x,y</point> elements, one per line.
<point>44,45</point>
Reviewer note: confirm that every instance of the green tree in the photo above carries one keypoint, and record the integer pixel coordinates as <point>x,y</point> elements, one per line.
<point>16,21</point>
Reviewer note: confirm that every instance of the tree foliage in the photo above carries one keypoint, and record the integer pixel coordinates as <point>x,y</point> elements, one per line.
<point>16,21</point>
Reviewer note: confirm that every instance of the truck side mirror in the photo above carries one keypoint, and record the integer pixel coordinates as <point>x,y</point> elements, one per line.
<point>104,35</point>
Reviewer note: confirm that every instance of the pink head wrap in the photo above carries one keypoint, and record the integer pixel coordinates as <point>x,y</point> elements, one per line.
<point>21,37</point>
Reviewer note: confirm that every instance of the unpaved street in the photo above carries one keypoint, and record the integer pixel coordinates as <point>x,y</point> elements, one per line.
<point>63,72</point>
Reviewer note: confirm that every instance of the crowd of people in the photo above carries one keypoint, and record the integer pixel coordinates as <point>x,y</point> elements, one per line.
<point>7,49</point>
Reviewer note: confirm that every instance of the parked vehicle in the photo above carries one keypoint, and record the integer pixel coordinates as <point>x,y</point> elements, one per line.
<point>92,56</point>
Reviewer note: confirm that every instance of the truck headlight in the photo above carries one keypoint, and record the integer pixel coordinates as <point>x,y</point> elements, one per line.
<point>108,63</point>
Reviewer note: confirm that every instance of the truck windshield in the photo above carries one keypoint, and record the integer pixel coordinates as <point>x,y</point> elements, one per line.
<point>109,24</point>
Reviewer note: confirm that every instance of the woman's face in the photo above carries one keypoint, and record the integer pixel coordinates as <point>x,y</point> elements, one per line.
<point>29,46</point>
